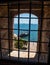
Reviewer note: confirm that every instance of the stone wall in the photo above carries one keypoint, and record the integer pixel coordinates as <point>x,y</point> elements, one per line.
<point>46,26</point>
<point>4,24</point>
<point>4,28</point>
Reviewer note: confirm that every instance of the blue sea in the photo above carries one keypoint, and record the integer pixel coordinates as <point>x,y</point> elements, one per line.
<point>25,27</point>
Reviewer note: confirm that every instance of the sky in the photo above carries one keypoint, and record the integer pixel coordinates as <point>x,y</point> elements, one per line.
<point>26,21</point>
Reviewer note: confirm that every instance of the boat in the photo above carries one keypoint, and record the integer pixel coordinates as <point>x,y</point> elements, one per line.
<point>23,35</point>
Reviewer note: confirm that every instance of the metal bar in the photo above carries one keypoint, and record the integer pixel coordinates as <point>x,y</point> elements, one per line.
<point>18,29</point>
<point>0,46</point>
<point>24,17</point>
<point>31,18</point>
<point>20,40</point>
<point>33,4</point>
<point>8,31</point>
<point>22,1</point>
<point>29,31</point>
<point>23,9</point>
<point>25,51</point>
<point>26,30</point>
<point>42,13</point>
<point>49,51</point>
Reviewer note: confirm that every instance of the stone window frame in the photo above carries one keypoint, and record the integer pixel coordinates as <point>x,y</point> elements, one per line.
<point>13,12</point>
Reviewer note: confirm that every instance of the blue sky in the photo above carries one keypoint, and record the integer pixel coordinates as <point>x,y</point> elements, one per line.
<point>26,21</point>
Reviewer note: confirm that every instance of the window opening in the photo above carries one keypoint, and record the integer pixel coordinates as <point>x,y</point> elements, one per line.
<point>24,34</point>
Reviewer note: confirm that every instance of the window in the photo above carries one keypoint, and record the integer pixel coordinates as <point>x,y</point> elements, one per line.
<point>25,41</point>
<point>21,46</point>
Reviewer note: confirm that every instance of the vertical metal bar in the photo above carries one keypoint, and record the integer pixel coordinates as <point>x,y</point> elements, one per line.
<point>18,28</point>
<point>42,13</point>
<point>8,31</point>
<point>0,46</point>
<point>49,51</point>
<point>29,31</point>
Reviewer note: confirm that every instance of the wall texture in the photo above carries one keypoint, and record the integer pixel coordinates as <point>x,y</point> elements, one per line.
<point>4,24</point>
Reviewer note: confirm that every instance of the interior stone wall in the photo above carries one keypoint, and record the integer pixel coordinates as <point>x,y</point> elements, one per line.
<point>4,25</point>
<point>46,26</point>
<point>4,28</point>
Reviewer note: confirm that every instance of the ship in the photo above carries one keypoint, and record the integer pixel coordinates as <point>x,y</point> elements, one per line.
<point>23,34</point>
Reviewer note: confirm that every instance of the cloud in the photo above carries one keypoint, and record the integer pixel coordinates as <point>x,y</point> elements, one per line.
<point>26,21</point>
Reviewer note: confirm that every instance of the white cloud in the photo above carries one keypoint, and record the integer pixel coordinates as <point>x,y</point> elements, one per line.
<point>26,21</point>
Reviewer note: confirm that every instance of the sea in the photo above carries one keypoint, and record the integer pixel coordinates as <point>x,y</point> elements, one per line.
<point>24,28</point>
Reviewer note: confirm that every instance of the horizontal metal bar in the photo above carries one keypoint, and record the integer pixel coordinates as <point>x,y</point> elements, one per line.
<point>25,29</point>
<point>24,4</point>
<point>24,17</point>
<point>25,51</point>
<point>26,41</point>
<point>24,9</point>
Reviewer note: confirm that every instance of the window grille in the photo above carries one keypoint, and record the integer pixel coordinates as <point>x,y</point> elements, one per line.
<point>15,8</point>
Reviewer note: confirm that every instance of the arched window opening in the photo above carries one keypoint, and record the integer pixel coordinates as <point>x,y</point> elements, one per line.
<point>25,35</point>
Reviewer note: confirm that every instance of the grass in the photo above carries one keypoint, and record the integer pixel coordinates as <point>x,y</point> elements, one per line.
<point>22,42</point>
